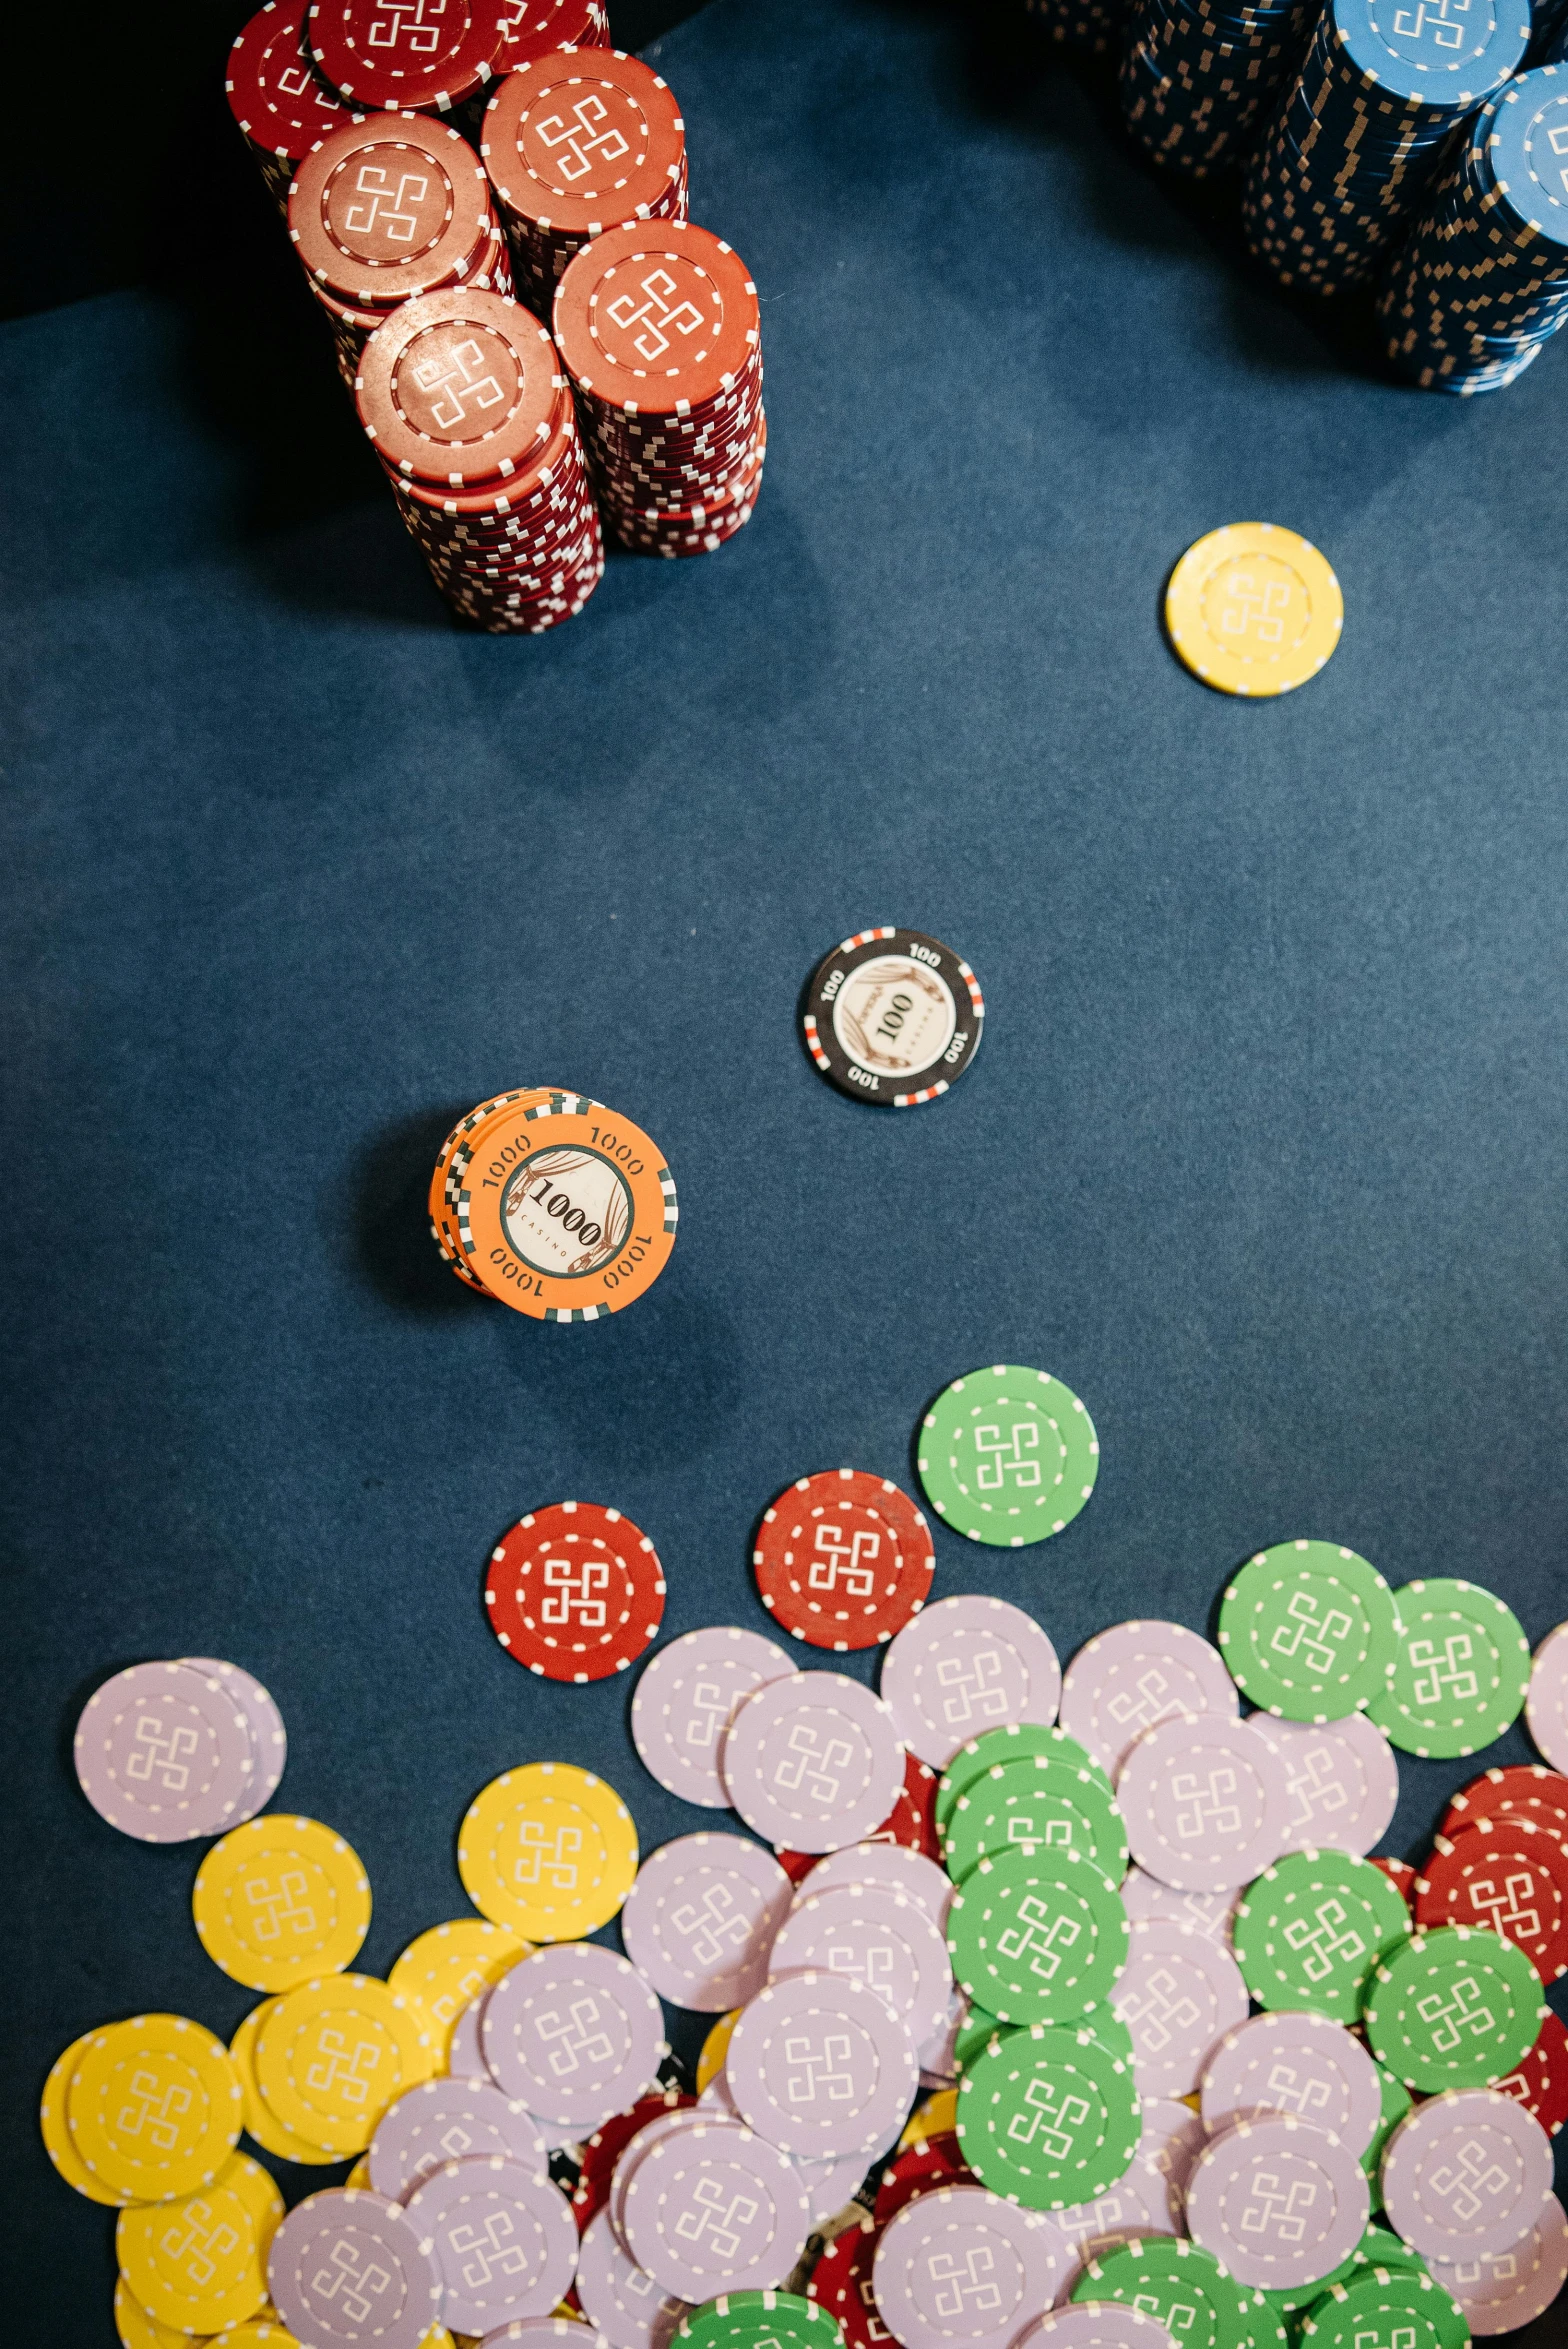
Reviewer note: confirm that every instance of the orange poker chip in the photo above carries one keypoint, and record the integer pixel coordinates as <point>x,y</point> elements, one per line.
<point>843,1560</point>
<point>575,1592</point>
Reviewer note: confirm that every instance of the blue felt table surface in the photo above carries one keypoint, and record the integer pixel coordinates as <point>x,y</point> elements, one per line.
<point>1263,1152</point>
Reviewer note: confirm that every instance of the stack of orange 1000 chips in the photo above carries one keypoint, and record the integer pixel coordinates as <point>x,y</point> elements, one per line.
<point>550,1202</point>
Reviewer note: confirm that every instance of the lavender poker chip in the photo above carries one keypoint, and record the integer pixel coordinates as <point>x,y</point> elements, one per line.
<point>962,2269</point>
<point>563,2332</point>
<point>1173,2137</point>
<point>966,1665</point>
<point>1204,1802</point>
<point>1278,2202</point>
<point>715,2209</point>
<point>819,2067</point>
<point>871,1934</point>
<point>1125,1680</point>
<point>888,1865</point>
<point>1342,1781</point>
<point>1546,1706</point>
<point>347,2270</point>
<point>164,1754</point>
<point>1466,2174</point>
<point>622,2299</point>
<point>575,2033</point>
<point>686,1698</point>
<point>465,2058</point>
<point>1208,1913</point>
<point>502,2238</point>
<point>268,1736</point>
<point>1501,2292</point>
<point>1096,2324</point>
<point>813,1762</point>
<point>1149,2198</point>
<point>1294,2063</point>
<point>1178,1994</point>
<point>668,2124</point>
<point>450,2120</point>
<point>699,1922</point>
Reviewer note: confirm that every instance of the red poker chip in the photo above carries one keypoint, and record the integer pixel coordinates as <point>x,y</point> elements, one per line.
<point>582,142</point>
<point>1504,1875</point>
<point>530,28</point>
<point>605,2147</point>
<point>415,57</point>
<point>275,93</point>
<point>460,389</point>
<point>389,208</point>
<point>797,1865</point>
<point>1402,1876</point>
<point>922,2167</point>
<point>841,2283</point>
<point>1540,2082</point>
<point>575,1592</point>
<point>1525,1787</point>
<point>658,317</point>
<point>843,1560</point>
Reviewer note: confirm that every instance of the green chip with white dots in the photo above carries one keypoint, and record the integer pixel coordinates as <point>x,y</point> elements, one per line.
<point>1455,2008</point>
<point>1037,1938</point>
<point>1048,2117</point>
<point>1310,1930</point>
<point>1036,1804</point>
<point>1309,1631</point>
<point>1386,2308</point>
<point>1008,1744</point>
<point>1007,1456</point>
<point>1180,2284</point>
<point>1461,1674</point>
<point>761,2320</point>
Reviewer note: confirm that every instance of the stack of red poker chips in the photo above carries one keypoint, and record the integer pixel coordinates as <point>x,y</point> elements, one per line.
<point>387,209</point>
<point>462,395</point>
<point>575,1592</point>
<point>281,103</point>
<point>659,328</point>
<point>575,144</point>
<point>390,58</point>
<point>532,28</point>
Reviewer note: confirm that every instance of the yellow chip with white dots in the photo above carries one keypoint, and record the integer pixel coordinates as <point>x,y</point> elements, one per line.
<point>200,2263</point>
<point>280,1901</point>
<point>1253,610</point>
<point>261,2122</point>
<point>334,2054</point>
<point>446,1968</point>
<point>549,1850</point>
<point>154,2107</point>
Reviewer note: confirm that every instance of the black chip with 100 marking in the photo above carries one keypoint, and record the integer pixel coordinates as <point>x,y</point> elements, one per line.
<point>893,1016</point>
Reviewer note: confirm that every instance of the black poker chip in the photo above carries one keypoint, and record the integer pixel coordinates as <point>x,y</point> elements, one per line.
<point>893,1016</point>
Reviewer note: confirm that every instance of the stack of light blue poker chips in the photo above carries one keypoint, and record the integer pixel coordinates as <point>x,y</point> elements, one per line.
<point>1363,130</point>
<point>1090,26</point>
<point>1197,76</point>
<point>1483,281</point>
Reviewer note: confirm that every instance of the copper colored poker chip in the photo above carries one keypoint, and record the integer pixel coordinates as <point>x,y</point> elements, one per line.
<point>843,1560</point>
<point>575,1592</point>
<point>388,209</point>
<point>412,56</point>
<point>461,387</point>
<point>583,140</point>
<point>657,317</point>
<point>276,95</point>
<point>1505,1874</point>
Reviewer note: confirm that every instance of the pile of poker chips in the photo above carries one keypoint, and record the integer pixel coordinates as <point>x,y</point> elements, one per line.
<point>892,1016</point>
<point>1197,76</point>
<point>553,1204</point>
<point>659,328</point>
<point>576,144</point>
<point>1348,156</point>
<point>1482,283</point>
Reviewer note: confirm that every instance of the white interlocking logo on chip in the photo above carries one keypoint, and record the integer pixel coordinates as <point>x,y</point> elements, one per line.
<point>973,1689</point>
<point>966,2285</point>
<point>355,2285</point>
<point>414,25</point>
<point>342,2068</point>
<point>458,385</point>
<point>387,208</point>
<point>575,2039</point>
<point>547,1857</point>
<point>154,2107</point>
<point>711,1925</point>
<point>1468,2182</point>
<point>487,2250</point>
<point>1299,2091</point>
<point>1041,1936</point>
<point>198,2242</point>
<point>1208,1802</point>
<point>833,1559</point>
<point>1276,2207</point>
<point>162,1754</point>
<point>1008,1455</point>
<point>1050,2118</point>
<point>1464,2009</point>
<point>579,140</point>
<point>717,2218</point>
<point>1310,1634</point>
<point>279,1906</point>
<point>813,1765</point>
<point>1324,1938</point>
<point>658,317</point>
<point>818,2068</point>
<point>573,1585</point>
<point>1158,2011</point>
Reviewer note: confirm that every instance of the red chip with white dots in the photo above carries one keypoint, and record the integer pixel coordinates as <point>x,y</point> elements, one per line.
<point>1507,1875</point>
<point>1540,2080</point>
<point>843,1560</point>
<point>575,1592</point>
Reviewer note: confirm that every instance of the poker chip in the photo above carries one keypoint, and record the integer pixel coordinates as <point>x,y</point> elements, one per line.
<point>908,1875</point>
<point>1178,1995</point>
<point>1196,81</point>
<point>1506,2290</point>
<point>1038,1802</point>
<point>300,2067</point>
<point>918,2169</point>
<point>1278,2202</point>
<point>1037,1937</point>
<point>1313,1928</point>
<point>1507,1874</point>
<point>1342,1781</point>
<point>548,1850</point>
<point>744,2320</point>
<point>564,1210</point>
<point>715,2165</point>
<point>444,2120</point>
<point>686,1698</point>
<point>459,392</point>
<point>1254,610</point>
<point>873,1935</point>
<point>622,2299</point>
<point>1386,2304</point>
<point>575,1592</point>
<point>261,2122</point>
<point>840,2283</point>
<point>819,2067</point>
<point>1396,2102</point>
<point>1467,2174</point>
<point>892,1016</point>
<point>1126,1679</point>
<point>843,1560</point>
<point>1309,1630</point>
<point>165,1753</point>
<point>1461,1674</point>
<point>1048,2117</point>
<point>54,2128</point>
<point>352,2234</point>
<point>465,2058</point>
<point>199,2263</point>
<point>161,2068</point>
<point>1208,1913</point>
<point>1146,2199</point>
<point>701,1919</point>
<point>993,1747</point>
<point>967,1664</point>
<point>1546,1705</point>
<point>488,2200</point>
<point>1453,2009</point>
<point>1300,2064</point>
<point>1204,1802</point>
<point>603,2149</point>
<point>1526,1791</point>
<point>269,1738</point>
<point>281,1900</point>
<point>575,2034</point>
<point>444,1969</point>
<point>276,96</point>
<point>1539,2081</point>
<point>964,2231</point>
<point>813,1762</point>
<point>405,62</point>
<point>1401,1875</point>
<point>710,2060</point>
<point>1007,1456</point>
<point>1178,2283</point>
<point>1096,2324</point>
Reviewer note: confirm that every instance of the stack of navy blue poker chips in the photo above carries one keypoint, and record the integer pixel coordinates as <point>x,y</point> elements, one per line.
<point>1092,26</point>
<point>1198,75</point>
<point>1483,281</point>
<point>1362,130</point>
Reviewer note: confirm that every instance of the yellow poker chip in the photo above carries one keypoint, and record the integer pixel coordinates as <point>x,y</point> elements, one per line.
<point>261,2123</point>
<point>333,2055</point>
<point>358,2178</point>
<point>200,2263</point>
<point>549,1850</point>
<point>137,2329</point>
<point>281,1901</point>
<point>59,2144</point>
<point>715,2048</point>
<point>154,2107</point>
<point>265,2332</point>
<point>445,1969</point>
<point>1253,609</point>
<point>937,2117</point>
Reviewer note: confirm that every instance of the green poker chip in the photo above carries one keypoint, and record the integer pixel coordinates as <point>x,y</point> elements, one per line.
<point>975,2035</point>
<point>1309,1631</point>
<point>1037,1938</point>
<point>1461,1672</point>
<point>1386,2308</point>
<point>1112,2033</point>
<point>1377,2248</point>
<point>739,2320</point>
<point>1048,2118</point>
<point>1035,1804</point>
<point>1311,1929</point>
<point>1007,1456</point>
<point>1181,2284</point>
<point>1397,2101</point>
<point>1454,2008</point>
<point>1011,1744</point>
